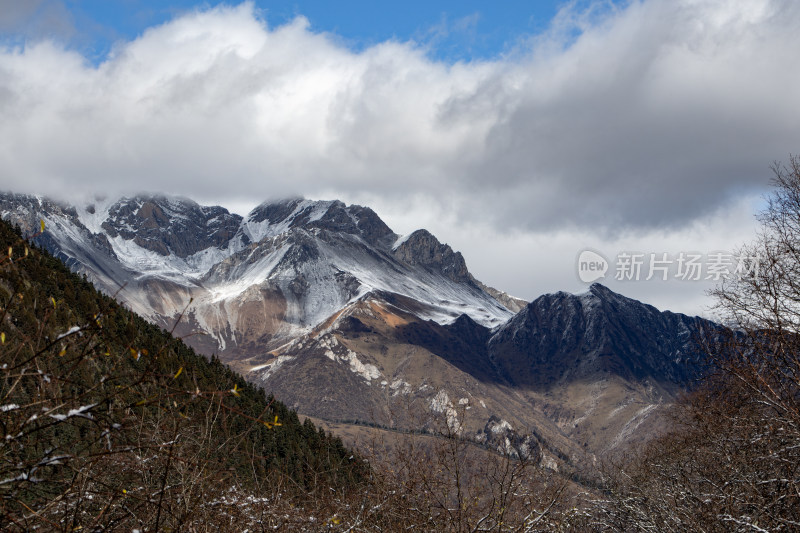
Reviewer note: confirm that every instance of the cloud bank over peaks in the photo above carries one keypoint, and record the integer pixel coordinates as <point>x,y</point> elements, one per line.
<point>650,115</point>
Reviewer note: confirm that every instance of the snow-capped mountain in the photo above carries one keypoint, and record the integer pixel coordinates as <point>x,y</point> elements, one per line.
<point>252,283</point>
<point>324,305</point>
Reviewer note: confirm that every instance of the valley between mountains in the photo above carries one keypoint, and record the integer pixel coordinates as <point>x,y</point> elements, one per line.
<point>343,320</point>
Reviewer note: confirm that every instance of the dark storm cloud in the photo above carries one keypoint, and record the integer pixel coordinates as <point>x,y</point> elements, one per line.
<point>35,19</point>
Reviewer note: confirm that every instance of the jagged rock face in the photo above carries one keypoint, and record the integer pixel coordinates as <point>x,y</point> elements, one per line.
<point>23,210</point>
<point>274,213</point>
<point>167,226</point>
<point>498,435</point>
<point>422,248</point>
<point>563,337</point>
<point>372,228</point>
<point>333,216</point>
<point>354,220</point>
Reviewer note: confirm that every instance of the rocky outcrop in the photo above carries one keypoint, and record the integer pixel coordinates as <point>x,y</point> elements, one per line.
<point>171,226</point>
<point>422,248</point>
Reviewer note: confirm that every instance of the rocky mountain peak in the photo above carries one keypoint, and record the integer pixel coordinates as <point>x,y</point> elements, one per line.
<point>601,291</point>
<point>566,336</point>
<point>422,248</point>
<point>274,211</point>
<point>170,225</point>
<point>27,210</point>
<point>370,226</point>
<point>600,294</point>
<point>303,294</point>
<point>272,218</point>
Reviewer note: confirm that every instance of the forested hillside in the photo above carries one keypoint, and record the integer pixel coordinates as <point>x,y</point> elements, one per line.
<point>110,422</point>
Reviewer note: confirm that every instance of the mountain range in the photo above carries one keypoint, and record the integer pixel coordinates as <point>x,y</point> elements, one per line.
<point>324,305</point>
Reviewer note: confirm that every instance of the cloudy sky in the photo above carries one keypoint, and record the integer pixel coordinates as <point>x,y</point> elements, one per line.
<point>521,136</point>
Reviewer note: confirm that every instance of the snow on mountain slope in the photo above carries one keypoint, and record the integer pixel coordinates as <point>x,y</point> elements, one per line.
<point>258,224</point>
<point>250,282</point>
<point>326,306</point>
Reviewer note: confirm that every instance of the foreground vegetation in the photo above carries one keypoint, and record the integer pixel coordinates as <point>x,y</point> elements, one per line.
<point>109,422</point>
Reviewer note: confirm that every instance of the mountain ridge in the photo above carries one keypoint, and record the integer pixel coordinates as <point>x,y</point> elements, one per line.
<point>324,305</point>
<point>608,330</point>
<point>298,248</point>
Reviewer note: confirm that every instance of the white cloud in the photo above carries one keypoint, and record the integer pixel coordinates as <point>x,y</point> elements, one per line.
<point>649,117</point>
